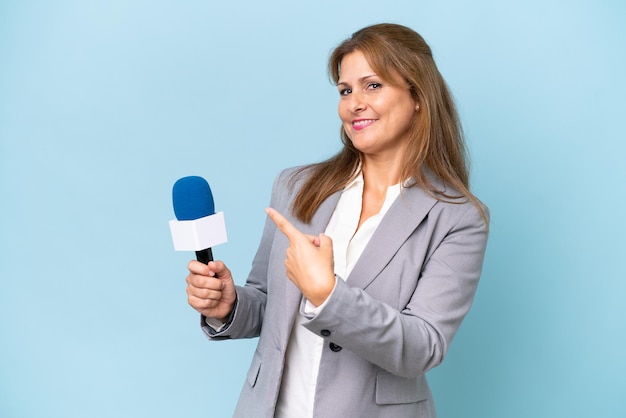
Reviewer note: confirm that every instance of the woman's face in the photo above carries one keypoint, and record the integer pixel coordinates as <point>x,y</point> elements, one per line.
<point>376,115</point>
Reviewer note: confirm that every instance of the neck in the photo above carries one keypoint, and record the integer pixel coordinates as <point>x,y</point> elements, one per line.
<point>380,174</point>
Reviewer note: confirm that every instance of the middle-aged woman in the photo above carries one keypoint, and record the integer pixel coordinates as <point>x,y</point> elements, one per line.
<point>368,261</point>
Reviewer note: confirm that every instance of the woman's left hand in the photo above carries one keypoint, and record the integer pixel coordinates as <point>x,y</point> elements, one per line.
<point>309,260</point>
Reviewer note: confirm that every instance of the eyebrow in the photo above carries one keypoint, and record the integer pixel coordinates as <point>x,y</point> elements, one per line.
<point>362,79</point>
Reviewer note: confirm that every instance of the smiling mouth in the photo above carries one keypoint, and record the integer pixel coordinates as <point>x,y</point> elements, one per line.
<point>362,123</point>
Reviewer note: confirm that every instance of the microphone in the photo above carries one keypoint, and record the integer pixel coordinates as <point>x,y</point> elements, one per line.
<point>197,227</point>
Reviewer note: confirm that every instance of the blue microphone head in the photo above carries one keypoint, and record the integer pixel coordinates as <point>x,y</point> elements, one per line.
<point>192,198</point>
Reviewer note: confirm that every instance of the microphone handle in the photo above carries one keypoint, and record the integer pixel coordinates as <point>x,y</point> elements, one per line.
<point>204,256</point>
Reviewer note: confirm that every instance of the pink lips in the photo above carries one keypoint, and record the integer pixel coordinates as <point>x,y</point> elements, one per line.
<point>359,124</point>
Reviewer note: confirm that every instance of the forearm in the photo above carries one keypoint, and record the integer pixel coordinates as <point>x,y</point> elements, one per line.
<point>398,342</point>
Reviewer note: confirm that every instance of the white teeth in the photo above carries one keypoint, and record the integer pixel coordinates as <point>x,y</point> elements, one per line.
<point>363,122</point>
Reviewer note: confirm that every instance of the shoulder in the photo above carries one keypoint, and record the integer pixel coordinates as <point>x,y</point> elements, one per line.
<point>291,179</point>
<point>450,208</point>
<point>462,211</point>
<point>459,215</point>
<point>453,204</point>
<point>287,183</point>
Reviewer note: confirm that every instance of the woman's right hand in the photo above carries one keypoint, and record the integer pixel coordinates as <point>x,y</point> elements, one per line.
<point>210,289</point>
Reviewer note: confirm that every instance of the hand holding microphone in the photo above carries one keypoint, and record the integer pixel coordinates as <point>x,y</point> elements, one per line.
<point>210,289</point>
<point>210,286</point>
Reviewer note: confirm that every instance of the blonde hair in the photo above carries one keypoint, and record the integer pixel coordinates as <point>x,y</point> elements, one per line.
<point>436,137</point>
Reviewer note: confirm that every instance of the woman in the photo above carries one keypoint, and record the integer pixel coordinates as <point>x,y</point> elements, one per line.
<point>368,261</point>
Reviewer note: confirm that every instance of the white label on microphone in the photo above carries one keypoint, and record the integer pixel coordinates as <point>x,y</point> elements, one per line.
<point>199,234</point>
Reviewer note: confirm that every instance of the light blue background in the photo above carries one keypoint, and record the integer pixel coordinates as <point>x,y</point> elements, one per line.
<point>103,105</point>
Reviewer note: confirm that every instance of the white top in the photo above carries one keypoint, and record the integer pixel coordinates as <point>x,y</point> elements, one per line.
<point>304,351</point>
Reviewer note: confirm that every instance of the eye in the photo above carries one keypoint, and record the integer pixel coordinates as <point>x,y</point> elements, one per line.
<point>374,86</point>
<point>345,92</point>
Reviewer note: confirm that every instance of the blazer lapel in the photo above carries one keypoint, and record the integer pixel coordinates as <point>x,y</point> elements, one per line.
<point>402,218</point>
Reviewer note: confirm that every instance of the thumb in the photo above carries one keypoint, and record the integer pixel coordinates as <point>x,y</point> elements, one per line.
<point>325,242</point>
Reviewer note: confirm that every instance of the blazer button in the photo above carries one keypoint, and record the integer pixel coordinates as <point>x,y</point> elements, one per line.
<point>325,333</point>
<point>334,347</point>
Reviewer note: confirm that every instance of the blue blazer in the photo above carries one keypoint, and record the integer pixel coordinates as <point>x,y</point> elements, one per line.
<point>390,321</point>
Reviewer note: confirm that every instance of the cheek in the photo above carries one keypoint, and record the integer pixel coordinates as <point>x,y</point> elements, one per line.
<point>345,121</point>
<point>341,111</point>
<point>405,114</point>
<point>345,111</point>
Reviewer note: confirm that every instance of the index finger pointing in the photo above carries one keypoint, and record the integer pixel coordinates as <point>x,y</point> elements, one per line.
<point>283,224</point>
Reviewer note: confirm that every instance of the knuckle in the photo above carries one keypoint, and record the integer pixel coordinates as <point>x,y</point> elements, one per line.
<point>192,280</point>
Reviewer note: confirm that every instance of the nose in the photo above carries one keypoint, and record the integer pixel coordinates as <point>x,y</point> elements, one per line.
<point>357,102</point>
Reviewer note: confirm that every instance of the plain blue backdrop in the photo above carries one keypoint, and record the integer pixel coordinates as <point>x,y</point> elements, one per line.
<point>104,104</point>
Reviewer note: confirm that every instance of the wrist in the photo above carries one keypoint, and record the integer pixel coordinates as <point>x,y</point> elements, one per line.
<point>322,292</point>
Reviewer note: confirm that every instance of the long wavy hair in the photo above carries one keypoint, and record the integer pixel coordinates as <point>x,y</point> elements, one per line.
<point>436,138</point>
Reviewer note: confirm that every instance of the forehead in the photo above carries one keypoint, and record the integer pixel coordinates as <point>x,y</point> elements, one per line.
<point>354,63</point>
<point>357,64</point>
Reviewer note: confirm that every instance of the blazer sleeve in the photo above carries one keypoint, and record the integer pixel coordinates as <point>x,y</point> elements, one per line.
<point>246,319</point>
<point>411,340</point>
